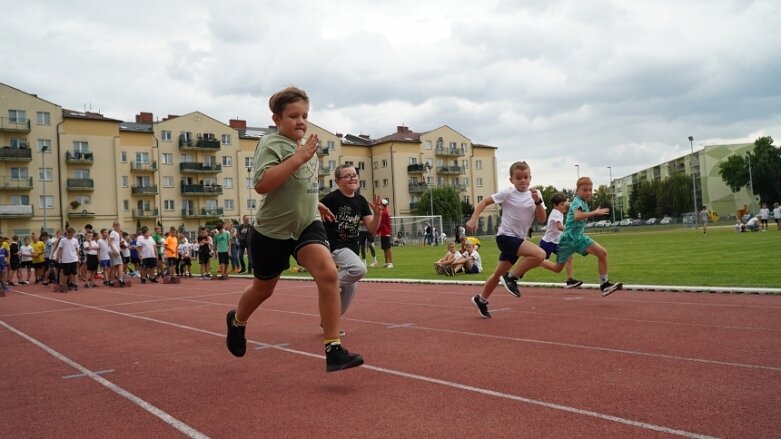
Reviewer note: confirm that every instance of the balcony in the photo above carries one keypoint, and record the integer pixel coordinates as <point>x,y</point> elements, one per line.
<point>81,184</point>
<point>211,190</point>
<point>417,188</point>
<point>79,158</point>
<point>145,213</point>
<point>441,151</point>
<point>144,190</point>
<point>322,190</point>
<point>458,187</point>
<point>414,205</point>
<point>323,172</point>
<point>143,167</point>
<point>14,125</point>
<point>451,170</point>
<point>81,214</point>
<point>202,144</point>
<point>322,151</point>
<point>417,168</point>
<point>196,168</point>
<point>9,154</point>
<point>11,184</point>
<point>16,211</point>
<point>203,213</point>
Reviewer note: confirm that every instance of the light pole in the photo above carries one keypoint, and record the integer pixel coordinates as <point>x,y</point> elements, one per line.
<point>612,195</point>
<point>750,182</point>
<point>430,192</point>
<point>578,166</point>
<point>44,148</point>
<point>694,184</point>
<point>249,194</point>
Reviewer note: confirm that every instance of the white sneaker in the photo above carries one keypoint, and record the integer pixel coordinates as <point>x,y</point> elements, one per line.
<point>388,266</point>
<point>373,264</point>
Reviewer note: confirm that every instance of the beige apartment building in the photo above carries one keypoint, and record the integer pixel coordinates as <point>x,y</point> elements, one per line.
<point>62,167</point>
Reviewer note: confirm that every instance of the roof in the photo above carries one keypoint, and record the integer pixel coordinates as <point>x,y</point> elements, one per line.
<point>255,132</point>
<point>136,127</point>
<point>87,115</point>
<point>353,140</point>
<point>402,134</point>
<point>478,145</point>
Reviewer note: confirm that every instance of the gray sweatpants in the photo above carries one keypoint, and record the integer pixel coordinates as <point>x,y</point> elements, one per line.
<point>351,270</point>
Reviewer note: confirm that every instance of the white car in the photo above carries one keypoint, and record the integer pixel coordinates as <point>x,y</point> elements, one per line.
<point>626,222</point>
<point>651,221</point>
<point>665,220</point>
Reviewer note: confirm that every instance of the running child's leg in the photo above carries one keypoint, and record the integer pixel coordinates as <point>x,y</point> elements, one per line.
<point>317,260</point>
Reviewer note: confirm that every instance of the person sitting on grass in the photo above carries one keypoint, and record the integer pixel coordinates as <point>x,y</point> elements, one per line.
<point>470,261</point>
<point>446,265</point>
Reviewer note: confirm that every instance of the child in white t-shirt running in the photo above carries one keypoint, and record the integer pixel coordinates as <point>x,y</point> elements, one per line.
<point>550,242</point>
<point>521,204</point>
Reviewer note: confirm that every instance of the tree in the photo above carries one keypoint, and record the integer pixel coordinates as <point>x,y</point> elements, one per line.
<point>642,202</point>
<point>674,196</point>
<point>765,176</point>
<point>446,203</point>
<point>601,198</point>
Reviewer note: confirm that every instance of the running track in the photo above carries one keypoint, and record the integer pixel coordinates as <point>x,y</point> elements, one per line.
<point>150,361</point>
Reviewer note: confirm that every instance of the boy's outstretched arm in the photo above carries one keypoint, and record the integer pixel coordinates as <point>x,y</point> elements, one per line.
<point>487,201</point>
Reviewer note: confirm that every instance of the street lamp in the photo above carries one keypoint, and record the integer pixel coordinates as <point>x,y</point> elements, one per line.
<point>430,192</point>
<point>612,194</point>
<point>44,148</point>
<point>249,193</point>
<point>694,184</point>
<point>750,182</point>
<point>578,166</point>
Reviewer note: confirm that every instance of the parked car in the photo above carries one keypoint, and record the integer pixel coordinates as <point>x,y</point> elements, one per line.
<point>637,222</point>
<point>666,220</point>
<point>602,223</point>
<point>626,222</point>
<point>651,221</point>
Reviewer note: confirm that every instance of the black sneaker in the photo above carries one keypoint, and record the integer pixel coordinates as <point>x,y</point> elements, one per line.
<point>338,358</point>
<point>608,288</point>
<point>235,340</point>
<point>574,283</point>
<point>482,307</point>
<point>510,284</point>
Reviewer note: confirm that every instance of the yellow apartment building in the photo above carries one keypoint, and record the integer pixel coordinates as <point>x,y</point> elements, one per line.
<point>63,167</point>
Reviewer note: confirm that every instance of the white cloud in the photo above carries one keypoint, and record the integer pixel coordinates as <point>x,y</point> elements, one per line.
<point>558,83</point>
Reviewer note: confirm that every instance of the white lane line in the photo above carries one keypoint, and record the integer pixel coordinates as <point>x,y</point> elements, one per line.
<point>165,417</point>
<point>401,325</point>
<point>488,392</point>
<point>80,375</point>
<point>271,346</point>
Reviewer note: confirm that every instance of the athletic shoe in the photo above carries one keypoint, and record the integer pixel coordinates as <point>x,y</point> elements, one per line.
<point>235,340</point>
<point>574,283</point>
<point>482,307</point>
<point>608,288</point>
<point>439,269</point>
<point>510,284</point>
<point>338,358</point>
<point>390,265</point>
<point>373,264</point>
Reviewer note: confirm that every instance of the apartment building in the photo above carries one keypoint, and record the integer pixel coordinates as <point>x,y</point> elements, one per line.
<point>64,167</point>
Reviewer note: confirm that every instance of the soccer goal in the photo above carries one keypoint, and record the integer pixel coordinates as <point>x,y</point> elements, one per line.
<point>411,230</point>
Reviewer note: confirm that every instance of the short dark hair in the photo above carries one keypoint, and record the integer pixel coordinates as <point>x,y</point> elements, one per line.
<point>279,100</point>
<point>338,170</point>
<point>558,198</point>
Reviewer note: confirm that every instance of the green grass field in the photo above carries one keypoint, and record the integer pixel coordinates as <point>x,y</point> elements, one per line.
<point>646,256</point>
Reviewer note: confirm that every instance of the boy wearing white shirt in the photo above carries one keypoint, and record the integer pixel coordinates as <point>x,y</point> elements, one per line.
<point>68,258</point>
<point>550,242</point>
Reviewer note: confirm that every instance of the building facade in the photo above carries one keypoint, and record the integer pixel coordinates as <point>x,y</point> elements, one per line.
<point>62,167</point>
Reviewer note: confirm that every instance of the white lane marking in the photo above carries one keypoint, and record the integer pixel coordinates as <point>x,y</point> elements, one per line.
<point>401,325</point>
<point>165,417</point>
<point>81,375</point>
<point>423,378</point>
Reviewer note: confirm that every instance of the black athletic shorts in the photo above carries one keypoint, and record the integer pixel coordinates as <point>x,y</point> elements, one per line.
<point>270,257</point>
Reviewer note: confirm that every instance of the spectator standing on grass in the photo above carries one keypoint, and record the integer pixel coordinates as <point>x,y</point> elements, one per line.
<point>204,253</point>
<point>428,234</point>
<point>366,240</point>
<point>385,235</point>
<point>68,260</point>
<point>764,216</point>
<point>222,241</point>
<point>90,250</point>
<point>704,220</point>
<point>171,245</point>
<point>244,235</point>
<point>25,262</point>
<point>147,252</point>
<point>288,224</point>
<point>349,209</point>
<point>13,262</point>
<point>777,214</point>
<point>234,248</point>
<point>521,203</point>
<point>117,272</point>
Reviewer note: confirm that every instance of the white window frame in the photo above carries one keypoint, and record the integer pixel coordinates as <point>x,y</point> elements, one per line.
<point>46,202</point>
<point>225,139</point>
<point>229,205</point>
<point>169,205</point>
<point>167,158</point>
<point>43,118</point>
<point>168,181</point>
<point>227,160</point>
<point>124,181</point>
<point>165,135</point>
<point>227,183</point>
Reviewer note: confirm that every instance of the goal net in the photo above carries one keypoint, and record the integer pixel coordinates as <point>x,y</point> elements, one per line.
<point>411,230</point>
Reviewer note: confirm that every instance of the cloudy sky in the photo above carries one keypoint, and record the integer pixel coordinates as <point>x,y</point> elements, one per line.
<point>595,83</point>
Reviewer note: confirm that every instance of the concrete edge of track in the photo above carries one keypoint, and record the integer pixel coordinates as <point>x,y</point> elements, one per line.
<point>665,288</point>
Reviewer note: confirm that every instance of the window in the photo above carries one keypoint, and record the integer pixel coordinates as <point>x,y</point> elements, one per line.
<point>331,145</point>
<point>465,164</point>
<point>428,144</point>
<point>430,180</point>
<point>46,202</point>
<point>81,146</point>
<point>17,116</point>
<point>332,164</point>
<point>18,142</point>
<point>187,158</point>
<point>168,181</point>
<point>125,205</point>
<point>144,181</point>
<point>45,174</point>
<point>478,164</point>
<point>123,156</point>
<point>466,181</point>
<point>84,200</point>
<point>165,136</point>
<point>384,182</point>
<point>479,198</point>
<point>168,205</point>
<point>228,204</point>
<point>250,203</point>
<point>226,139</point>
<point>227,183</point>
<point>363,184</point>
<point>384,163</point>
<point>227,160</point>
<point>466,198</point>
<point>23,200</point>
<point>44,145</point>
<point>167,158</point>
<point>479,181</point>
<point>248,183</point>
<point>374,165</point>
<point>142,157</point>
<point>413,160</point>
<point>124,181</point>
<point>19,174</point>
<point>43,118</point>
<point>376,183</point>
<point>248,161</point>
<point>361,166</point>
